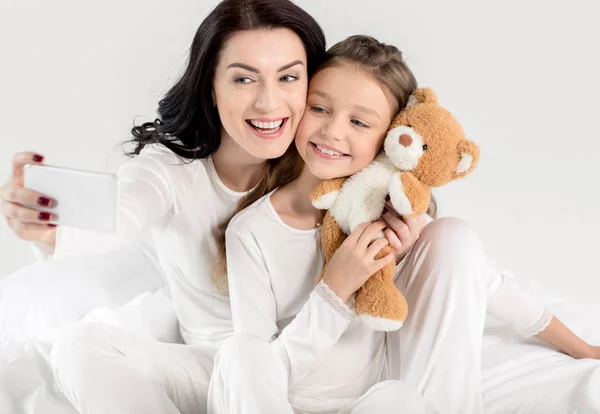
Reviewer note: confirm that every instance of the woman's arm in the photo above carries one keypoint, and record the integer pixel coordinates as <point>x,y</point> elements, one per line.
<point>146,195</point>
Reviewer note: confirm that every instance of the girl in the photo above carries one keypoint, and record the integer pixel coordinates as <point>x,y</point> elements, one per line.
<point>300,337</point>
<point>223,128</point>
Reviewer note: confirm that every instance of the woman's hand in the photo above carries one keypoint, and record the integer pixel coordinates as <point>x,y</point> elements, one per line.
<point>28,224</point>
<point>401,233</point>
<point>354,262</point>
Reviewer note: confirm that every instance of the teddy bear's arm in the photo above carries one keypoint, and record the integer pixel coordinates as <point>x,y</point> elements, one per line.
<point>408,195</point>
<point>325,194</point>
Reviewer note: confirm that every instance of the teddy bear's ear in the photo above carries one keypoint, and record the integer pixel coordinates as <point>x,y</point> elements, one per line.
<point>469,158</point>
<point>423,95</point>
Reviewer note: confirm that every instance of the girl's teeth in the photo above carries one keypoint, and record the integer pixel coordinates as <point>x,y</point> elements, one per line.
<point>266,125</point>
<point>329,152</point>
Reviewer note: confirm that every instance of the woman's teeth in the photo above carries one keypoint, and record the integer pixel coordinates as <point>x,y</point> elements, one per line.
<point>267,127</point>
<point>329,151</point>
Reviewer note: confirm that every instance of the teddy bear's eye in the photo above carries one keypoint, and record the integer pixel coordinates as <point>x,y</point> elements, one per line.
<point>409,126</point>
<point>425,147</point>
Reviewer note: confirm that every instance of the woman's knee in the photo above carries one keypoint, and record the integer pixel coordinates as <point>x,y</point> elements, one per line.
<point>76,350</point>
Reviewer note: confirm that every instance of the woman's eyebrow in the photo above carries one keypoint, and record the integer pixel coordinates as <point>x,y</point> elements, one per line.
<point>255,70</point>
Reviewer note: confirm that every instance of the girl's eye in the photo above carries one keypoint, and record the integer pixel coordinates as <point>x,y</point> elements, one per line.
<point>358,123</point>
<point>317,109</point>
<point>289,78</point>
<point>243,79</point>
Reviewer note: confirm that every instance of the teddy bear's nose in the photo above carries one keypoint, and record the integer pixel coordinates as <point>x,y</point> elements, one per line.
<point>405,140</point>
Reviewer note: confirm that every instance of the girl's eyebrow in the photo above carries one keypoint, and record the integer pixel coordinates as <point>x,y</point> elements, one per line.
<point>367,110</point>
<point>359,108</point>
<point>320,93</point>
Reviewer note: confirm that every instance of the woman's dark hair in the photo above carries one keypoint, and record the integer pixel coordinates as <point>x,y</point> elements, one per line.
<point>188,123</point>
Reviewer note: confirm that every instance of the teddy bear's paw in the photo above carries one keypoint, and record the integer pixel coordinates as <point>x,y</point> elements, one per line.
<point>326,201</point>
<point>398,197</point>
<point>380,324</point>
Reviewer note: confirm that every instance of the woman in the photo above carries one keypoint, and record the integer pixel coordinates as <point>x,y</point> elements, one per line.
<point>222,132</point>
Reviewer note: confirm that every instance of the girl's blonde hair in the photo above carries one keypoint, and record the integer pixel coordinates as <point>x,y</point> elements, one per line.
<point>381,61</point>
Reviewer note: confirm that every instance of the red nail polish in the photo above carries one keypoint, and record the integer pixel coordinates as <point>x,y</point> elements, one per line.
<point>38,158</point>
<point>51,225</point>
<point>43,201</point>
<point>44,216</point>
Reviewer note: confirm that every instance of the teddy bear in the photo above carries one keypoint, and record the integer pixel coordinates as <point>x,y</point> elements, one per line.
<point>424,147</point>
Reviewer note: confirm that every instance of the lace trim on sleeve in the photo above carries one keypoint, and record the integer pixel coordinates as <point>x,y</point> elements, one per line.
<point>334,301</point>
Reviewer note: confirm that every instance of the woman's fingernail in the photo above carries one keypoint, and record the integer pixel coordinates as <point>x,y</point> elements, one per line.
<point>44,216</point>
<point>43,201</point>
<point>51,225</point>
<point>38,158</point>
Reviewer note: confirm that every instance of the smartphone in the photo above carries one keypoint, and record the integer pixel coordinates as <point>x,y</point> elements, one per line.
<point>85,200</point>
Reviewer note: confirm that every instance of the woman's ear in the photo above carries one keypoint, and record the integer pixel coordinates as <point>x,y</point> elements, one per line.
<point>469,158</point>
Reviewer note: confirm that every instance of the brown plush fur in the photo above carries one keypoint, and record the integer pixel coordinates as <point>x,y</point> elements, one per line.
<point>376,298</point>
<point>332,238</point>
<point>444,137</point>
<point>446,144</point>
<point>326,187</point>
<point>418,193</point>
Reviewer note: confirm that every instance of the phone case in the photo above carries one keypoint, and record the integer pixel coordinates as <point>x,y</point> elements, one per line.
<point>85,200</point>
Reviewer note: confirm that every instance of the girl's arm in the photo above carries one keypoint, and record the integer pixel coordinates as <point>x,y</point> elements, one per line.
<point>314,330</point>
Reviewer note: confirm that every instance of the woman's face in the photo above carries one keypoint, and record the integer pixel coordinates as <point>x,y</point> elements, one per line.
<point>346,118</point>
<point>260,90</point>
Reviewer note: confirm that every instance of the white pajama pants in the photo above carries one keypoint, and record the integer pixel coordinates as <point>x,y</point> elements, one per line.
<point>103,369</point>
<point>47,295</point>
<point>448,285</point>
<point>252,380</point>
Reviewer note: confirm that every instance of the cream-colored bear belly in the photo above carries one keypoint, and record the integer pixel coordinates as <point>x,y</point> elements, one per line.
<point>362,197</point>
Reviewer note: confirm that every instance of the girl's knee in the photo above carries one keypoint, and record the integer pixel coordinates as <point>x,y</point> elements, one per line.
<point>451,238</point>
<point>391,396</point>
<point>243,353</point>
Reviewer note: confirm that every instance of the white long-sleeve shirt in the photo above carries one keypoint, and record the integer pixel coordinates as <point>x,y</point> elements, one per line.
<point>177,204</point>
<point>273,270</point>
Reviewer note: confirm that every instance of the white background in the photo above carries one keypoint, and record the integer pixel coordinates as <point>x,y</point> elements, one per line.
<point>523,77</point>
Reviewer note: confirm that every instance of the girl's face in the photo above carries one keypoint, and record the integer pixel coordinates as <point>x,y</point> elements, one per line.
<point>347,115</point>
<point>260,90</point>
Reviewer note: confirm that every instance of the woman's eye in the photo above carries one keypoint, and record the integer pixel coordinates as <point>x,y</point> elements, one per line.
<point>289,78</point>
<point>243,79</point>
